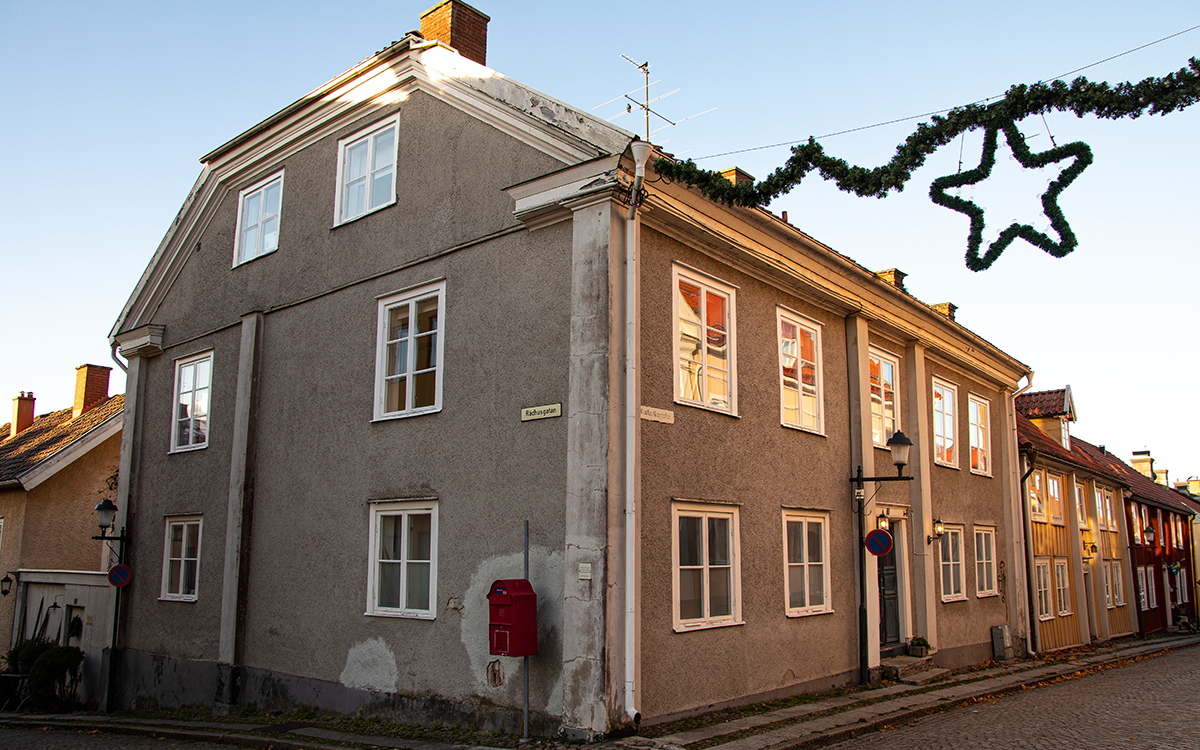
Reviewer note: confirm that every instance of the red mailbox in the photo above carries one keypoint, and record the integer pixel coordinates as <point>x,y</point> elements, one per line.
<point>512,626</point>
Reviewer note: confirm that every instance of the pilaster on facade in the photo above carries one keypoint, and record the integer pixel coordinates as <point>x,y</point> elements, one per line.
<point>924,565</point>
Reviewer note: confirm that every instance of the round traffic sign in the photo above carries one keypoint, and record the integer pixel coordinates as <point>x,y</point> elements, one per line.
<point>119,575</point>
<point>879,542</point>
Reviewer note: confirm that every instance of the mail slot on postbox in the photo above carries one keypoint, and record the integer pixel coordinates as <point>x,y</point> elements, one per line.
<point>512,627</point>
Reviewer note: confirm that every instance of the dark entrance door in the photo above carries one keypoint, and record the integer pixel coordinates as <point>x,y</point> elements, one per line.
<point>889,607</point>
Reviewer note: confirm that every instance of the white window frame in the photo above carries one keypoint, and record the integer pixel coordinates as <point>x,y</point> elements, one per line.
<point>1136,513</point>
<point>1109,598</point>
<point>949,418</point>
<point>1081,504</point>
<point>1054,498</point>
<point>705,511</point>
<point>183,363</point>
<point>1151,588</point>
<point>698,379</point>
<point>805,518</point>
<point>240,255</point>
<point>1037,495</point>
<point>411,298</point>
<point>985,562</point>
<point>367,134</point>
<point>401,509</point>
<point>1098,495</point>
<point>808,422</point>
<point>1110,511</point>
<point>980,433</point>
<point>883,426</point>
<point>1062,587</point>
<point>1143,596</point>
<point>952,541</point>
<point>165,593</point>
<point>1118,583</point>
<point>1041,575</point>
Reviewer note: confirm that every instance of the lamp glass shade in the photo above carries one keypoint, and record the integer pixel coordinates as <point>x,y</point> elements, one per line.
<point>881,522</point>
<point>1149,532</point>
<point>899,445</point>
<point>5,585</point>
<point>106,511</point>
<point>939,528</point>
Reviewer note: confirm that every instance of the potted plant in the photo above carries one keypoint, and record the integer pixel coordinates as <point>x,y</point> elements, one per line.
<point>918,647</point>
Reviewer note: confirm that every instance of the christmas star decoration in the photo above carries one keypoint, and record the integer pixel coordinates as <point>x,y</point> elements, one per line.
<point>1082,157</point>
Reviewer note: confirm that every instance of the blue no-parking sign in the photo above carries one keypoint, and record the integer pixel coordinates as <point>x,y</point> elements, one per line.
<point>119,575</point>
<point>879,542</point>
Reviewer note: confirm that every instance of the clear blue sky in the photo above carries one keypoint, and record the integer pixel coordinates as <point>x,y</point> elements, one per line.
<point>109,105</point>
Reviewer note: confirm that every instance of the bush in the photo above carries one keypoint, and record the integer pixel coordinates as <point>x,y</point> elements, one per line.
<point>54,678</point>
<point>23,655</point>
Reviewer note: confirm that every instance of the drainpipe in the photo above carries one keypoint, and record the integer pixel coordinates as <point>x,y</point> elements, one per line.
<point>633,418</point>
<point>1030,565</point>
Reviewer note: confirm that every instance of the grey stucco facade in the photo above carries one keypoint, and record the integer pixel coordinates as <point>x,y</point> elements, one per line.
<point>512,210</point>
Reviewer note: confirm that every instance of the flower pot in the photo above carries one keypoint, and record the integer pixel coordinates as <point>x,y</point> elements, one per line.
<point>918,651</point>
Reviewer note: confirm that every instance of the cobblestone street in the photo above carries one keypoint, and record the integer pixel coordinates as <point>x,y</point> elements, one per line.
<point>1149,704</point>
<point>58,739</point>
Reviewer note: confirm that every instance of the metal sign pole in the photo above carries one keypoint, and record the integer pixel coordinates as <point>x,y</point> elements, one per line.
<point>525,668</point>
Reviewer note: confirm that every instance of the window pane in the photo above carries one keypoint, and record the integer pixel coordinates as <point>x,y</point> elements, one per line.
<point>416,593</point>
<point>354,201</point>
<point>250,242</point>
<point>426,351</point>
<point>795,535</point>
<point>381,188</point>
<point>271,198</point>
<point>425,389</point>
<point>356,161</point>
<point>691,542</point>
<point>203,373</point>
<point>815,548</point>
<point>385,149</point>
<point>390,531</point>
<point>189,578</point>
<point>191,539</point>
<point>721,597</point>
<point>419,537</point>
<point>176,541</point>
<point>187,375</point>
<point>816,585</point>
<point>200,403</point>
<point>691,594</point>
<point>251,208</point>
<point>796,592</point>
<point>173,576</point>
<point>270,234</point>
<point>718,541</point>
<point>389,585</point>
<point>199,430</point>
<point>395,393</point>
<point>718,391</point>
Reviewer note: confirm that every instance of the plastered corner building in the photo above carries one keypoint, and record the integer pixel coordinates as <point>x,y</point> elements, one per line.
<point>426,303</point>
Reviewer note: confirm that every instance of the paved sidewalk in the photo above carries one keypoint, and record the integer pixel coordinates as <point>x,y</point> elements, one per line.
<point>806,725</point>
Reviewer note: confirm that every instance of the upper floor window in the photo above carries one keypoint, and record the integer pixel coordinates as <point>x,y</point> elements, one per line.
<point>402,579</point>
<point>981,435</point>
<point>408,368</point>
<point>885,397</point>
<point>181,558</point>
<point>1081,504</point>
<point>1137,522</point>
<point>707,574</point>
<point>1108,510</point>
<point>1098,493</point>
<point>800,372</point>
<point>945,423</point>
<point>366,172</point>
<point>805,541</point>
<point>704,335</point>
<point>1037,495</point>
<point>1054,484</point>
<point>193,389</point>
<point>258,219</point>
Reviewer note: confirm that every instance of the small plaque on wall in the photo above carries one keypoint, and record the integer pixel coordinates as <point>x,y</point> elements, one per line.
<point>666,416</point>
<point>530,413</point>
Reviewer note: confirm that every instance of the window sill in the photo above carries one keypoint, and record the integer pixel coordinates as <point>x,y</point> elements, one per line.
<point>184,599</point>
<point>407,414</point>
<point>1045,618</point>
<point>188,449</point>
<point>946,465</point>
<point>344,222</point>
<point>987,594</point>
<point>707,407</point>
<point>797,615</point>
<point>955,598</point>
<point>818,431</point>
<point>1057,521</point>
<point>985,474</point>
<point>706,626</point>
<point>251,260</point>
<point>402,615</point>
<point>1066,614</point>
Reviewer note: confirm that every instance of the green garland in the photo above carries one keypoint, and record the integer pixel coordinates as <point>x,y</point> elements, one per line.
<point>1171,93</point>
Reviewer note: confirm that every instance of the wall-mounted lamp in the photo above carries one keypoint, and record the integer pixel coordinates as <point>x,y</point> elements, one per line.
<point>899,445</point>
<point>5,585</point>
<point>882,522</point>
<point>1089,550</point>
<point>939,528</point>
<point>106,513</point>
<point>1148,533</point>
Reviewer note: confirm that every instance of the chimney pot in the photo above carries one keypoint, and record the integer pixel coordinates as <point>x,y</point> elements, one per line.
<point>91,387</point>
<point>458,25</point>
<point>22,414</point>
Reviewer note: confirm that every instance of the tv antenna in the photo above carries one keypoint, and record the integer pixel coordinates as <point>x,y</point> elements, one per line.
<point>644,104</point>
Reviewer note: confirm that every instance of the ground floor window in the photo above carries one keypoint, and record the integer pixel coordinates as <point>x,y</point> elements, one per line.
<point>952,564</point>
<point>181,558</point>
<point>1118,582</point>
<point>805,542</point>
<point>1042,578</point>
<point>985,561</point>
<point>402,579</point>
<point>707,586</point>
<point>1062,586</point>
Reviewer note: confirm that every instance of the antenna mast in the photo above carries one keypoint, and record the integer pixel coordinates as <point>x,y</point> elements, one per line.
<point>645,103</point>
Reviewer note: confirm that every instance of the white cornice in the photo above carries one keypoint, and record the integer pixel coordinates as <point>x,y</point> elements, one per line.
<point>67,455</point>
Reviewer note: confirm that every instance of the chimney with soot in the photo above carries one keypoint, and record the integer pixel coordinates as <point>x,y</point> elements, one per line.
<point>458,25</point>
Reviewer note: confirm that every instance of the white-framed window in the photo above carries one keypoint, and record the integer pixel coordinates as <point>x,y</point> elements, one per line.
<point>181,558</point>
<point>1081,504</point>
<point>885,396</point>
<point>1108,586</point>
<point>704,332</point>
<point>951,542</point>
<point>366,170</point>
<point>1054,497</point>
<point>1037,495</point>
<point>799,372</point>
<point>1145,511</point>
<point>408,363</point>
<point>1108,510</point>
<point>707,569</point>
<point>1062,587</point>
<point>193,395</point>
<point>1151,589</point>
<point>1118,583</point>
<point>258,219</point>
<point>1181,584</point>
<point>1136,515</point>
<point>1143,599</point>
<point>1098,493</point>
<point>985,561</point>
<point>402,578</point>
<point>981,434</point>
<point>945,423</point>
<point>1042,578</point>
<point>806,563</point>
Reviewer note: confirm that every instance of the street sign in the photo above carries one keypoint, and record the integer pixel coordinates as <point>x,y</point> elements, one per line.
<point>879,542</point>
<point>119,575</point>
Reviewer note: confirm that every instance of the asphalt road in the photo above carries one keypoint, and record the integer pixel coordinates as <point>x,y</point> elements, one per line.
<point>1149,704</point>
<point>59,739</point>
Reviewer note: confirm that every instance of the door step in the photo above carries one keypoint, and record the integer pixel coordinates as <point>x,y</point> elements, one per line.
<point>901,667</point>
<point>926,677</point>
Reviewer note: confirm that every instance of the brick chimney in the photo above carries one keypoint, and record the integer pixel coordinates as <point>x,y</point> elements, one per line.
<point>458,25</point>
<point>1142,463</point>
<point>736,175</point>
<point>945,308</point>
<point>893,276</point>
<point>91,387</point>
<point>22,414</point>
